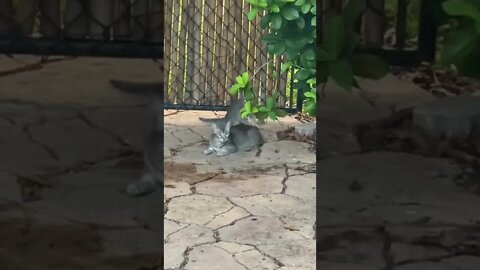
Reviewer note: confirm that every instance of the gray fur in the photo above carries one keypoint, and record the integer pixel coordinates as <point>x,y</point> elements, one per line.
<point>152,176</point>
<point>232,139</point>
<point>233,114</point>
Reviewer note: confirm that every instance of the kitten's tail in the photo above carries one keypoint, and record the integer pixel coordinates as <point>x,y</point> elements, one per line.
<point>153,88</point>
<point>236,105</point>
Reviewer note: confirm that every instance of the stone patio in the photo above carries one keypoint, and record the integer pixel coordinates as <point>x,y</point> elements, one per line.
<point>69,143</point>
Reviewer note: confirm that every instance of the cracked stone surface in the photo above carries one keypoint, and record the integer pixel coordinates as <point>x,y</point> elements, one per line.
<point>237,212</point>
<point>66,156</point>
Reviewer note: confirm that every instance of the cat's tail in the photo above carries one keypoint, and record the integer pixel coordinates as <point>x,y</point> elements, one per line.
<point>138,88</point>
<point>236,105</point>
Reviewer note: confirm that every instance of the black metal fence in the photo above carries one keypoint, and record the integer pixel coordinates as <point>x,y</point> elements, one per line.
<point>110,28</point>
<point>207,43</point>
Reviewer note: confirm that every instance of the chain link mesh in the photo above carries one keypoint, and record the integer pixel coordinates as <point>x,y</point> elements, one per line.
<point>207,44</point>
<point>117,25</point>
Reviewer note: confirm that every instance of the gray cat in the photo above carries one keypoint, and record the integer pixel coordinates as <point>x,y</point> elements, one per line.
<point>152,176</point>
<point>231,139</point>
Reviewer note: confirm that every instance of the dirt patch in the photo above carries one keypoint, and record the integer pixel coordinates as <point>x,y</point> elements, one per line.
<point>187,173</point>
<point>51,247</point>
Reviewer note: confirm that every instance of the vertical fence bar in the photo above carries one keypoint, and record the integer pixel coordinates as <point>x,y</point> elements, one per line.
<point>156,32</point>
<point>401,27</point>
<point>6,11</point>
<point>427,36</point>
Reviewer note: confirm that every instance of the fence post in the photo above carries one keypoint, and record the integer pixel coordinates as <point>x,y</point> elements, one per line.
<point>6,11</point>
<point>427,36</point>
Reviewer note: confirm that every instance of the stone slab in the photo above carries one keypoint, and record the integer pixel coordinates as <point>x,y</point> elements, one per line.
<point>453,116</point>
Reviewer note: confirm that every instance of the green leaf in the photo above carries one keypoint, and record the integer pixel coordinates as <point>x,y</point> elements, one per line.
<point>276,48</point>
<point>342,73</point>
<point>352,11</point>
<point>309,95</point>
<point>306,8</point>
<point>270,103</point>
<point>261,116</point>
<point>240,81</point>
<point>265,21</point>
<point>314,21</point>
<point>274,8</point>
<point>285,66</point>
<point>248,106</point>
<point>292,53</point>
<point>334,36</point>
<point>271,38</point>
<point>245,77</point>
<point>272,115</point>
<point>369,66</point>
<point>458,44</point>
<point>245,114</point>
<point>461,8</point>
<point>254,110</point>
<point>276,21</point>
<point>234,89</point>
<point>309,54</point>
<point>310,107</point>
<point>263,109</point>
<point>300,2</point>
<point>252,14</point>
<point>248,94</point>
<point>300,22</point>
<point>281,113</point>
<point>302,74</point>
<point>290,13</point>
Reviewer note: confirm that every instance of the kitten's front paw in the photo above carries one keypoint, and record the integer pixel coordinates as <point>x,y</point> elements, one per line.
<point>221,154</point>
<point>207,151</point>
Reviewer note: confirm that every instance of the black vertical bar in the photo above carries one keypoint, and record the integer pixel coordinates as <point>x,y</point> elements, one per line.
<point>427,36</point>
<point>401,27</point>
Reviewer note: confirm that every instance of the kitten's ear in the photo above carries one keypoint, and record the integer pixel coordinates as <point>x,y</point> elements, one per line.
<point>216,130</point>
<point>228,125</point>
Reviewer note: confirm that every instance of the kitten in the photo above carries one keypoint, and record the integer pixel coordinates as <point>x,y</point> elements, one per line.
<point>232,139</point>
<point>152,176</point>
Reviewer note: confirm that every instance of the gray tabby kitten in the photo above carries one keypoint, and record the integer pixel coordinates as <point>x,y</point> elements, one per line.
<point>231,139</point>
<point>152,176</point>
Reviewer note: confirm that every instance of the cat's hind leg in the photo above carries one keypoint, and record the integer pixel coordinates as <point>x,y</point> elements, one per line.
<point>145,185</point>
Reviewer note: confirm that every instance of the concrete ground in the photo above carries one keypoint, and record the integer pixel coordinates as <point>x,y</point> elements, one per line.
<point>69,143</point>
